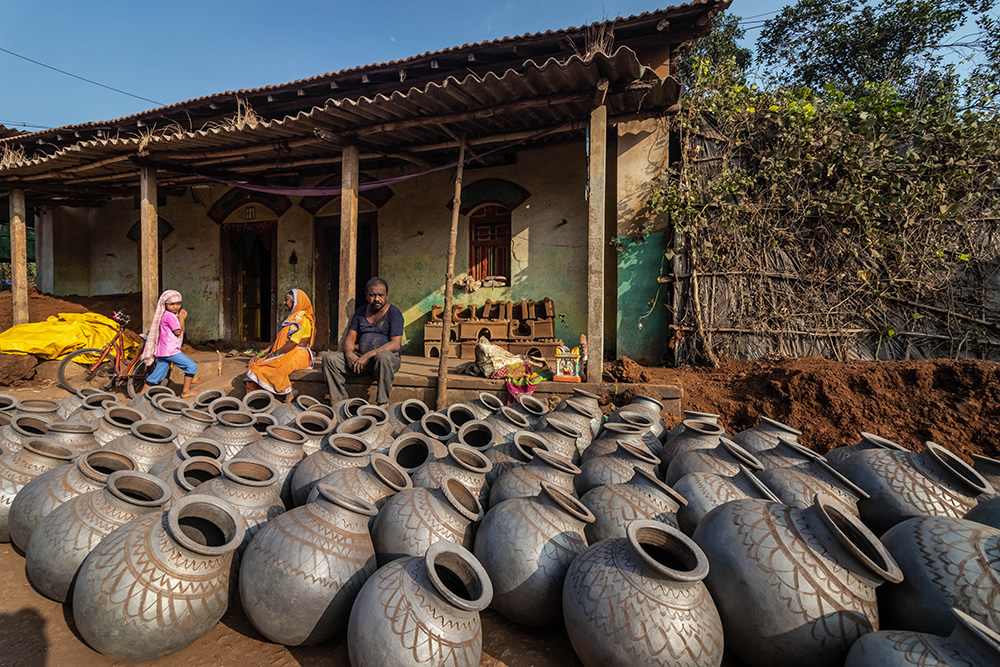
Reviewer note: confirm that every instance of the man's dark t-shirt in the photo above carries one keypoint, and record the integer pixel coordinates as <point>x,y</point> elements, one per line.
<point>373,335</point>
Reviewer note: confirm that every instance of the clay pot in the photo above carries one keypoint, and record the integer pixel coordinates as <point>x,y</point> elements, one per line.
<point>315,426</point>
<point>725,461</point>
<point>382,436</point>
<point>705,491</point>
<point>62,540</point>
<point>253,488</point>
<point>531,409</point>
<point>263,421</point>
<point>987,512</point>
<point>652,408</point>
<point>835,457</point>
<point>300,575</point>
<point>797,487</point>
<point>403,413</point>
<point>196,447</point>
<point>506,422</point>
<point>324,410</point>
<point>166,408</point>
<point>285,413</point>
<point>143,403</point>
<point>45,410</point>
<point>653,578</point>
<point>282,449</point>
<point>92,408</point>
<point>433,425</point>
<point>459,414</point>
<point>946,563</point>
<point>517,452</point>
<point>364,427</point>
<point>764,435</point>
<point>158,584</point>
<point>693,436</point>
<point>21,429</point>
<point>74,436</point>
<point>614,506</point>
<point>565,441</point>
<point>585,415</point>
<point>901,485</point>
<point>35,457</point>
<point>234,431</point>
<point>526,481</point>
<point>790,454</point>
<point>39,497</point>
<point>259,401</point>
<point>467,465</point>
<point>421,611</point>
<point>526,545</point>
<point>340,451</point>
<point>205,398</point>
<point>610,436</point>
<point>189,475</point>
<point>68,404</point>
<point>485,405</point>
<point>225,404</point>
<point>147,442</point>
<point>691,415</point>
<point>614,468</point>
<point>989,468</point>
<point>116,422</point>
<point>192,423</point>
<point>411,450</point>
<point>413,519</point>
<point>374,483</point>
<point>476,434</point>
<point>793,586</point>
<point>348,408</point>
<point>970,644</point>
<point>7,403</point>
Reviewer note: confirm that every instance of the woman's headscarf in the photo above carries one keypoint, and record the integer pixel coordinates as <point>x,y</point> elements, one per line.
<point>153,335</point>
<point>301,309</point>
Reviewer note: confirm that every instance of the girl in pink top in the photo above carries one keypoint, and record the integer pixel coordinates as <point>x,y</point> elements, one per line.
<point>163,343</point>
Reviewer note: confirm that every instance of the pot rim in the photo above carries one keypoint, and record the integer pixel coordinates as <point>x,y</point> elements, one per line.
<point>186,448</point>
<point>36,424</point>
<point>348,501</point>
<point>408,439</point>
<point>775,424</point>
<point>460,407</point>
<point>355,425</point>
<point>113,416</point>
<point>287,435</point>
<point>376,412</point>
<point>224,404</point>
<point>572,506</point>
<point>321,409</point>
<point>645,398</point>
<point>380,460</point>
<point>168,432</point>
<point>315,417</point>
<point>959,469</point>
<point>477,425</point>
<point>672,540</point>
<point>461,455</point>
<point>553,461</point>
<point>37,405</point>
<point>88,470</point>
<point>563,427</point>
<point>234,531</point>
<point>123,477</point>
<point>659,484</point>
<point>836,521</point>
<point>742,456</point>
<point>235,418</point>
<point>49,450</point>
<point>247,464</point>
<point>405,405</point>
<point>455,557</point>
<point>514,417</point>
<point>984,635</point>
<point>621,428</point>
<point>333,441</point>
<point>72,427</point>
<point>461,498</point>
<point>258,394</point>
<point>350,406</point>
<point>532,405</point>
<point>203,402</point>
<point>881,442</point>
<point>760,486</point>
<point>578,406</point>
<point>492,403</point>
<point>528,452</point>
<point>158,400</point>
<point>440,419</point>
<point>203,461</point>
<point>641,453</point>
<point>701,416</point>
<point>704,428</point>
<point>635,418</point>
<point>197,415</point>
<point>305,401</point>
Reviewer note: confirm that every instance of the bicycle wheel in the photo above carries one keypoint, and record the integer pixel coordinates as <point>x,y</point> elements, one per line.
<point>137,378</point>
<point>74,374</point>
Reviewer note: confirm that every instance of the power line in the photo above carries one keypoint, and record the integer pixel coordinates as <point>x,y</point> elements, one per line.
<point>11,123</point>
<point>56,69</point>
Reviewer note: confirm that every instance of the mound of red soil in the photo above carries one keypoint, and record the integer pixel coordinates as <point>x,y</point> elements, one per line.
<point>626,371</point>
<point>41,306</point>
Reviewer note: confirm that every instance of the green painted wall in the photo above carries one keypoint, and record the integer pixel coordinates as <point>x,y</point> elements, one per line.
<point>642,317</point>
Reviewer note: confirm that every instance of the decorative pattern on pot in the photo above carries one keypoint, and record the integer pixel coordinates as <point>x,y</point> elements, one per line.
<point>614,468</point>
<point>421,611</point>
<point>192,423</point>
<point>374,483</point>
<point>34,458</point>
<point>413,519</point>
<point>531,409</point>
<point>155,586</point>
<point>465,464</point>
<point>517,452</point>
<point>764,435</point>
<point>970,644</point>
<point>42,495</point>
<point>933,482</point>
<point>252,488</point>
<point>610,436</point>
<point>526,545</point>
<point>506,422</point>
<point>946,563</point>
<point>653,579</point>
<point>412,450</point>
<point>704,492</point>
<point>364,428</point>
<point>300,575</point>
<point>835,457</point>
<point>339,451</point>
<point>116,422</point>
<point>484,405</point>
<point>615,506</point>
<point>167,409</point>
<point>20,430</point>
<point>692,436</point>
<point>147,442</point>
<point>381,436</point>
<point>797,487</point>
<point>282,449</point>
<point>793,586</point>
<point>476,434</point>
<point>316,428</point>
<point>725,461</point>
<point>62,540</point>
<point>526,481</point>
<point>74,436</point>
<point>587,419</point>
<point>143,402</point>
<point>234,431</point>
<point>403,413</point>
<point>92,408</point>
<point>565,440</point>
<point>191,474</point>
<point>45,410</point>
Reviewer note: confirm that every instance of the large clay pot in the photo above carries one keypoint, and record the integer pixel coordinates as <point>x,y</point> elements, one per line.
<point>412,520</point>
<point>933,482</point>
<point>225,404</point>
<point>421,611</point>
<point>946,563</point>
<point>584,414</point>
<point>205,398</point>
<point>282,449</point>
<point>613,468</point>
<point>987,512</point>
<point>404,413</point>
<point>651,579</point>
<point>301,573</point>
<point>526,481</point>
<point>381,435</point>
<point>234,431</point>
<point>68,404</point>
<point>642,421</point>
<point>506,422</point>
<point>62,540</point>
<point>459,414</point>
<point>511,454</point>
<point>196,447</point>
<point>147,442</point>
<point>692,415</point>
<point>192,423</point>
<point>340,451</point>
<point>159,583</point>
<point>364,427</point>
<point>143,403</point>
<point>92,408</point>
<point>764,435</point>
<point>253,488</point>
<point>465,464</point>
<point>797,487</point>
<point>374,483</point>
<point>652,408</point>
<point>259,401</point>
<point>484,405</point>
<point>476,434</point>
<point>348,408</point>
<point>33,459</point>
<point>705,491</point>
<point>835,457</point>
<point>285,413</point>
<point>970,644</point>
<point>607,441</point>
<point>725,461</point>
<point>531,409</point>
<point>693,436</point>
<point>526,546</point>
<point>989,468</point>
<point>793,586</point>
<point>433,425</point>
<point>166,408</point>
<point>411,450</point>
<point>21,429</point>
<point>189,475</point>
<point>316,428</point>
<point>616,505</point>
<point>43,409</point>
<point>565,441</point>
<point>52,488</point>
<point>74,436</point>
<point>116,422</point>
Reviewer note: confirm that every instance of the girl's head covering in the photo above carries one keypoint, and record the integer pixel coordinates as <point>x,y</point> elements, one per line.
<point>153,335</point>
<point>301,309</point>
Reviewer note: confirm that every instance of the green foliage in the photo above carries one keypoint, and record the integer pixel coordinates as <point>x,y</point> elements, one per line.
<point>720,45</point>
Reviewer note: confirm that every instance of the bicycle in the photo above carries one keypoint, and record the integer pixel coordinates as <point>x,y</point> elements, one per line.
<point>111,367</point>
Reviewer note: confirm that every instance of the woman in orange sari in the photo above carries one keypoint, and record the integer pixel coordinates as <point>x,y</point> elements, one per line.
<point>289,352</point>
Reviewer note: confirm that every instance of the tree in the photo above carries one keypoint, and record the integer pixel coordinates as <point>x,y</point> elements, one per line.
<point>721,45</point>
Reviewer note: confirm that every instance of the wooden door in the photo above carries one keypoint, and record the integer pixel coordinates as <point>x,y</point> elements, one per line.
<point>327,262</point>
<point>249,265</point>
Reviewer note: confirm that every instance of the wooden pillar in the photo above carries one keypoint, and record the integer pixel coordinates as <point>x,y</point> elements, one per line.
<point>449,287</point>
<point>18,257</point>
<point>597,144</point>
<point>149,244</point>
<point>348,279</point>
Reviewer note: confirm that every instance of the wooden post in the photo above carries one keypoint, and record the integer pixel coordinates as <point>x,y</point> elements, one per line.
<point>348,278</point>
<point>449,288</point>
<point>18,257</point>
<point>597,147</point>
<point>149,245</point>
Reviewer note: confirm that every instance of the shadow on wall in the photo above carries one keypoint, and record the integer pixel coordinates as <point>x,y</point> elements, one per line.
<point>22,637</point>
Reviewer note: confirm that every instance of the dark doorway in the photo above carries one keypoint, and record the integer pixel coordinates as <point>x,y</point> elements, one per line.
<point>249,270</point>
<point>326,301</point>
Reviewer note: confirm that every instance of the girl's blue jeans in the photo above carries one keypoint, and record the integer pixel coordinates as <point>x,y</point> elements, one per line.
<point>162,366</point>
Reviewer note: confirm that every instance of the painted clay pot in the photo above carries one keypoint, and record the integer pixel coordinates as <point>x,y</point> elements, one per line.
<point>692,415</point>
<point>116,422</point>
<point>793,586</point>
<point>411,450</point>
<point>614,506</point>
<point>946,563</point>
<point>693,436</point>
<point>987,512</point>
<point>301,573</point>
<point>764,435</point>
<point>364,428</point>
<point>653,578</point>
<point>512,454</point>
<point>613,468</point>
<point>92,408</point>
<point>790,454</point>
<point>403,413</point>
<point>585,415</point>
<point>225,404</point>
<point>34,458</point>
<point>263,421</point>
<point>608,440</point>
<point>724,460</point>
<point>970,644</point>
<point>531,409</point>
<point>45,410</point>
<point>74,436</point>
<point>205,398</point>
<point>191,448</point>
<point>704,492</point>
<point>433,425</point>
<point>316,427</point>
<point>340,451</point>
<point>421,611</point>
<point>143,403</point>
<point>42,495</point>
<point>192,423</point>
<point>323,409</point>
<point>484,405</point>
<point>639,420</point>
<point>62,540</point>
<point>476,434</point>
<point>526,481</point>
<point>147,442</point>
<point>189,475</point>
<point>21,429</point>
<point>69,404</point>
<point>506,422</point>
<point>583,397</point>
<point>652,408</point>
<point>459,414</point>
<point>526,545</point>
<point>413,519</point>
<point>467,465</point>
<point>285,413</point>
<point>796,487</point>
<point>901,485</point>
<point>234,431</point>
<point>381,435</point>
<point>989,468</point>
<point>348,408</point>
<point>375,483</point>
<point>282,449</point>
<point>258,401</point>
<point>166,408</point>
<point>835,457</point>
<point>156,585</point>
<point>252,488</point>
<point>565,441</point>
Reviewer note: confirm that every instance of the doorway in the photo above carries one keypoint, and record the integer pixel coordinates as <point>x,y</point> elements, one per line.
<point>249,269</point>
<point>327,299</point>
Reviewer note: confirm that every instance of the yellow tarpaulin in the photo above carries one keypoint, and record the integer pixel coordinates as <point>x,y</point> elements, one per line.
<point>60,334</point>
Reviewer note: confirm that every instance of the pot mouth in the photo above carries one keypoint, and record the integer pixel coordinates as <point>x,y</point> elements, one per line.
<point>798,448</point>
<point>659,485</point>
<point>305,402</point>
<point>532,405</point>
<point>138,488</point>
<point>635,419</point>
<point>413,410</point>
<point>155,390</point>
<point>122,417</point>
<point>437,426</point>
<point>95,401</point>
<point>348,445</point>
<point>28,425</point>
<point>462,499</point>
<point>249,472</point>
<point>460,414</point>
<point>390,472</point>
<point>378,415</point>
<point>774,424</point>
<point>990,465</point>
<point>667,550</point>
<point>99,464</point>
<point>742,456</point>
<point>262,420</point>
<point>200,416</point>
<point>204,398</point>
<point>75,428</point>
<point>356,425</point>
<point>49,450</point>
<point>554,462</point>
<point>707,429</point>
<point>763,492</point>
<point>351,406</point>
<point>710,417</point>
<point>206,525</point>
<point>477,434</point>
<point>235,418</point>
<point>586,394</point>
<point>287,435</point>
<point>195,471</point>
<point>622,428</point>
<point>39,405</point>
<point>880,442</point>
<point>313,423</point>
<point>959,469</point>
<point>458,576</point>
<point>527,443</point>
<point>492,403</point>
<point>568,503</point>
<point>8,402</point>
<point>563,427</point>
<point>320,409</point>
<point>348,501</point>
<point>411,450</point>
<point>258,400</point>
<point>514,417</point>
<point>225,404</point>
<point>860,542</point>
<point>170,404</point>
<point>469,458</point>
<point>203,447</point>
<point>642,453</point>
<point>643,398</point>
<point>154,431</point>
<point>576,405</point>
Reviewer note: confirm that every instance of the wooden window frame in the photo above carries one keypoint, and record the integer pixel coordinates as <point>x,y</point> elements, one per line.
<point>489,214</point>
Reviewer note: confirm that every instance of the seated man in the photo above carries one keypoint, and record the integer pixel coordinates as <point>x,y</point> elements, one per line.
<point>371,346</point>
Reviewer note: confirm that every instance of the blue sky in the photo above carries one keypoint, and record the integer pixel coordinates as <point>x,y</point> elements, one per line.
<point>170,52</point>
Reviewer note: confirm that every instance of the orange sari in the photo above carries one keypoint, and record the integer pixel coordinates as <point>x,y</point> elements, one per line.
<point>272,372</point>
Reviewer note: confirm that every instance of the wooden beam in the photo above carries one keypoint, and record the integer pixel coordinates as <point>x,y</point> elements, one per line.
<point>597,145</point>
<point>18,257</point>
<point>449,287</point>
<point>149,244</point>
<point>348,278</point>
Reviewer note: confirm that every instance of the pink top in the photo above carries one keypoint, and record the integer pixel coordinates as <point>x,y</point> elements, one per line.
<point>169,344</point>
